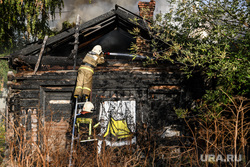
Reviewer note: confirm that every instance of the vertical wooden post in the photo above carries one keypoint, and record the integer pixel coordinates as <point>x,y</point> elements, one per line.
<point>40,55</point>
<point>74,51</point>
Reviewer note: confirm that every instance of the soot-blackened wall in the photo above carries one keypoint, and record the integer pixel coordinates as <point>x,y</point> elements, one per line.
<point>47,96</point>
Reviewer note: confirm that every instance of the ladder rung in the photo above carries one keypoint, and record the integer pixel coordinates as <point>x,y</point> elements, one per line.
<point>82,141</point>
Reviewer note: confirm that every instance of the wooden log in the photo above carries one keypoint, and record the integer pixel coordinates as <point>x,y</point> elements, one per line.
<point>35,84</point>
<point>40,55</point>
<point>29,94</point>
<point>48,60</point>
<point>48,76</point>
<point>29,103</point>
<point>56,60</point>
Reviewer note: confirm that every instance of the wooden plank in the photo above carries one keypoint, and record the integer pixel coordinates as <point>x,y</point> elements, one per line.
<point>41,53</point>
<point>103,26</point>
<point>29,102</point>
<point>58,83</point>
<point>59,89</point>
<point>29,94</point>
<point>48,60</point>
<point>58,95</point>
<point>48,77</point>
<point>35,84</point>
<point>74,51</point>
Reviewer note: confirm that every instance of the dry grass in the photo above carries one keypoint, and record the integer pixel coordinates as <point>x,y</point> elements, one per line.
<point>2,141</point>
<point>222,133</point>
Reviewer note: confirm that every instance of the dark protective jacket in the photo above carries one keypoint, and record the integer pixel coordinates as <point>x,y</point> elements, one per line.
<point>85,73</point>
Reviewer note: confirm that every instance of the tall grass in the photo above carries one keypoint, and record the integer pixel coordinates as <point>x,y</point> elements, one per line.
<point>221,133</point>
<point>224,134</point>
<point>2,141</point>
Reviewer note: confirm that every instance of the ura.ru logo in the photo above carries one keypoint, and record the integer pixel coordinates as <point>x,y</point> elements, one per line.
<point>219,157</point>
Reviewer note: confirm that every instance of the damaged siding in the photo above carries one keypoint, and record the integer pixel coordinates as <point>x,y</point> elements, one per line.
<point>46,98</point>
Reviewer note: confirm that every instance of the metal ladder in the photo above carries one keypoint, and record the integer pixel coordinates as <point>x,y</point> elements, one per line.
<point>73,130</point>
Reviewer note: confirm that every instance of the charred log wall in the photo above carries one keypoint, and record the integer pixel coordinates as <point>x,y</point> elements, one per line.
<point>155,90</point>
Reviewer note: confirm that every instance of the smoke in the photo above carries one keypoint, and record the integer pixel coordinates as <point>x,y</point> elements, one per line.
<point>88,11</point>
<point>161,6</point>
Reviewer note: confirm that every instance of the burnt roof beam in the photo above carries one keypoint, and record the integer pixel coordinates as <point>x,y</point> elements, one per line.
<point>88,31</point>
<point>101,25</point>
<point>52,40</point>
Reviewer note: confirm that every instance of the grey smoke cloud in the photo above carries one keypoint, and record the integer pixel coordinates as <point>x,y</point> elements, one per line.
<point>88,11</point>
<point>91,10</point>
<point>161,6</point>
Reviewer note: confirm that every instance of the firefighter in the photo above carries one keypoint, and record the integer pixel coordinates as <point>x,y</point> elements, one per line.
<point>86,120</point>
<point>86,71</point>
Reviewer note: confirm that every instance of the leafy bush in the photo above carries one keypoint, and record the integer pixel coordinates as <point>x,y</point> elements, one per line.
<point>209,37</point>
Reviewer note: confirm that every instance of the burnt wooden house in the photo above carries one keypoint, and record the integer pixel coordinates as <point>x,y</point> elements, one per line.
<point>45,98</point>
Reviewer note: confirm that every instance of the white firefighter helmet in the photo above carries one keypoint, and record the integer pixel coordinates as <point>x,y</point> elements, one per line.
<point>88,107</point>
<point>97,49</point>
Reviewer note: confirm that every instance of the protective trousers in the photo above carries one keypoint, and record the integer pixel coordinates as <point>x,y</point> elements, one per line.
<point>84,81</point>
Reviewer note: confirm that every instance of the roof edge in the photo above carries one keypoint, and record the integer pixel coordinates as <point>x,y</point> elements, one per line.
<point>65,34</point>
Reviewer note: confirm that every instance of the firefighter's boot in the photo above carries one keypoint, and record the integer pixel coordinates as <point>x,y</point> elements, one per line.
<point>85,97</point>
<point>79,98</point>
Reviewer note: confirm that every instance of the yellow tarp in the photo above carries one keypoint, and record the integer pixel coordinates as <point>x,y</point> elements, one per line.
<point>118,129</point>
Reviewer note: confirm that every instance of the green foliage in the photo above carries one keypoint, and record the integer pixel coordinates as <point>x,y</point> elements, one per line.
<point>24,20</point>
<point>4,68</point>
<point>2,140</point>
<point>210,36</point>
<point>66,25</point>
<point>181,113</point>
